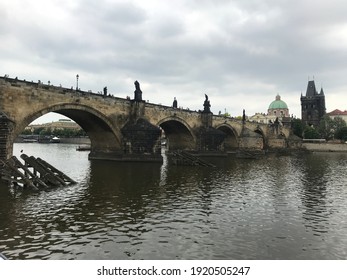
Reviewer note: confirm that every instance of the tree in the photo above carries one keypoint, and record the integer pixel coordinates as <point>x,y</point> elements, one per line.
<point>37,131</point>
<point>311,133</point>
<point>341,134</point>
<point>26,132</point>
<point>339,123</point>
<point>81,132</point>
<point>328,127</point>
<point>325,128</point>
<point>297,127</point>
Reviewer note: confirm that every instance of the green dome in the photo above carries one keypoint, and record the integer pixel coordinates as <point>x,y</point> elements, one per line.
<point>278,104</point>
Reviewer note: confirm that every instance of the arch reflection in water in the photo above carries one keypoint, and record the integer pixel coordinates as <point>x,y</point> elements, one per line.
<point>291,207</point>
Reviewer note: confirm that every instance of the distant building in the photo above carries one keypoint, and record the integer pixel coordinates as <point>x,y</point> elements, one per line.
<point>312,105</point>
<point>338,113</point>
<point>277,109</point>
<point>57,125</point>
<point>260,118</point>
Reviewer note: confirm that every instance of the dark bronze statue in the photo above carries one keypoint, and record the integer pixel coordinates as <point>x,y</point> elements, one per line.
<point>207,105</point>
<point>138,92</point>
<point>174,104</point>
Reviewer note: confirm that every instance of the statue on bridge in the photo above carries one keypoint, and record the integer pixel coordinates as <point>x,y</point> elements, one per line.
<point>174,104</point>
<point>207,105</point>
<point>138,92</point>
<point>276,125</point>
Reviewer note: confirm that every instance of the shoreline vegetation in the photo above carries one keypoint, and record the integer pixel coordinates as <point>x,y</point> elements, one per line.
<point>64,140</point>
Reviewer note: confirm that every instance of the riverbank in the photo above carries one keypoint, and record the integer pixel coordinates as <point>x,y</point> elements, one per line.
<point>325,147</point>
<point>64,140</point>
<point>312,147</point>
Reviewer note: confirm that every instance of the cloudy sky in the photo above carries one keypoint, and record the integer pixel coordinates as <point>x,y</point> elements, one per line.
<point>241,53</point>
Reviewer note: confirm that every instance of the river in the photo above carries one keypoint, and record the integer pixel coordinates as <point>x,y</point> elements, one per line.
<point>276,207</point>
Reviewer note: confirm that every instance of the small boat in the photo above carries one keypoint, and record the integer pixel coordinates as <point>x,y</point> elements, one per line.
<point>83,148</point>
<point>29,140</point>
<point>55,140</point>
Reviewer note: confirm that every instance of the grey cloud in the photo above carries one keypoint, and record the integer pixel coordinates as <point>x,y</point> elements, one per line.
<point>229,48</point>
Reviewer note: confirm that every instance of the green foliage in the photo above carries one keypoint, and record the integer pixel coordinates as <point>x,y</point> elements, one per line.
<point>65,132</point>
<point>311,133</point>
<point>339,123</point>
<point>38,130</point>
<point>325,128</point>
<point>46,132</point>
<point>26,132</point>
<point>298,127</point>
<point>341,134</point>
<point>329,127</point>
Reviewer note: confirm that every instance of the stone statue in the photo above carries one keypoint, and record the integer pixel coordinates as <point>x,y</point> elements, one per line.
<point>207,105</point>
<point>138,92</point>
<point>275,125</point>
<point>174,104</point>
<point>105,91</point>
<point>243,116</point>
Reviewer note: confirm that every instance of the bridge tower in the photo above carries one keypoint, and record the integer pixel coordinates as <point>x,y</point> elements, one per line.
<point>312,105</point>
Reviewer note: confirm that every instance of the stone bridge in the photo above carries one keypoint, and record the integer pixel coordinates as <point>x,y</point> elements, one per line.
<point>129,129</point>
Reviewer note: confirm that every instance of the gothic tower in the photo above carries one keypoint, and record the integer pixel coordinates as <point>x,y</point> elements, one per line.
<point>312,105</point>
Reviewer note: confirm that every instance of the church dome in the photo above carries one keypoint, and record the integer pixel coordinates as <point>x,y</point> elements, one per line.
<point>278,103</point>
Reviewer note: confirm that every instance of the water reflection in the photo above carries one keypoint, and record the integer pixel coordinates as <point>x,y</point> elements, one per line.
<point>273,208</point>
<point>314,194</point>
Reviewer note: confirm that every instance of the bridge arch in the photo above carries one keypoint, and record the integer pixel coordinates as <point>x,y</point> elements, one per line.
<point>101,131</point>
<point>103,118</point>
<point>259,131</point>
<point>231,141</point>
<point>178,133</point>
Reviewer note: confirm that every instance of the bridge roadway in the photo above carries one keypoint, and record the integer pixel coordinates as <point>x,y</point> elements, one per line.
<point>128,129</point>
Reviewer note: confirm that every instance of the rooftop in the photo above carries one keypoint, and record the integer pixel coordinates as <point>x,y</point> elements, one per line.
<point>278,103</point>
<point>337,112</point>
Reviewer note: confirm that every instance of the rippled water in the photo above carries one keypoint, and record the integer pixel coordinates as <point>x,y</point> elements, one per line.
<point>290,207</point>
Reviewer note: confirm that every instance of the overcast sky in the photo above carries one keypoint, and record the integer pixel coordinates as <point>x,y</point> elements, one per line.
<point>241,53</point>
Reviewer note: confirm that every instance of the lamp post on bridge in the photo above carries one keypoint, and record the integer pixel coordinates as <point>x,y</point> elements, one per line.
<point>77,76</point>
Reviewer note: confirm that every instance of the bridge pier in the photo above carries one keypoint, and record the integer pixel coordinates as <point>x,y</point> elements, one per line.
<point>140,142</point>
<point>250,140</point>
<point>119,156</point>
<point>6,145</point>
<point>210,139</point>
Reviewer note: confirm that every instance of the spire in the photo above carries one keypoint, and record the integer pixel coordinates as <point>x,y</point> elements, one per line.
<point>321,91</point>
<point>311,89</point>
